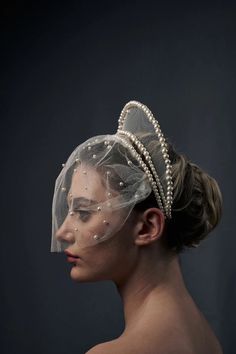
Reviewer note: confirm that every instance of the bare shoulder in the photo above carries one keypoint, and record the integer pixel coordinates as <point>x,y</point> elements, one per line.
<point>112,347</point>
<point>149,342</point>
<point>141,343</point>
<point>167,331</point>
<point>98,349</point>
<point>138,345</point>
<point>125,345</point>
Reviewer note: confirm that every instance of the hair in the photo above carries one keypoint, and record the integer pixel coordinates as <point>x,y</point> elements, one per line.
<point>197,203</point>
<point>197,199</point>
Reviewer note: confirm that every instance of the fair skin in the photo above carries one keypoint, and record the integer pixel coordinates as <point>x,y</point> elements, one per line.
<point>160,315</point>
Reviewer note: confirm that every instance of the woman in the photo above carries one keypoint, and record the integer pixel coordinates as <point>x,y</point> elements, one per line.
<point>125,205</point>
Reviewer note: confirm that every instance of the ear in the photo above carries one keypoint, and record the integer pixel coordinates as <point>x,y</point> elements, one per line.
<point>150,226</point>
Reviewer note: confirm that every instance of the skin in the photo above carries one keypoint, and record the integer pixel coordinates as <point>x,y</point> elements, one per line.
<point>160,315</point>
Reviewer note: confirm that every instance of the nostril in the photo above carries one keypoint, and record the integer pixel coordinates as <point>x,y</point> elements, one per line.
<point>68,236</point>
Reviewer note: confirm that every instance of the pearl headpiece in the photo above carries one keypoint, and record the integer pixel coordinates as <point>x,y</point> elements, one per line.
<point>164,200</point>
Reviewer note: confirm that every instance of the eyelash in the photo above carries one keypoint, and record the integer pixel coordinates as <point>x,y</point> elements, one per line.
<point>84,214</point>
<point>81,212</point>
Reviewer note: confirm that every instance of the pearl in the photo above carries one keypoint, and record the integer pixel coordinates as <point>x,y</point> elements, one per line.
<point>121,184</point>
<point>63,189</point>
<point>71,213</point>
<point>95,237</point>
<point>89,148</point>
<point>109,194</point>
<point>105,222</point>
<point>99,208</point>
<point>84,172</point>
<point>75,169</point>
<point>145,167</point>
<point>75,229</point>
<point>94,156</point>
<point>63,165</point>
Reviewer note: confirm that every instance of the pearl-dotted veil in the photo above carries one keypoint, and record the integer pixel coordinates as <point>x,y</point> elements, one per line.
<point>125,168</point>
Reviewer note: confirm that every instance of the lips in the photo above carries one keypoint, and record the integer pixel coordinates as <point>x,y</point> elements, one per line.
<point>71,255</point>
<point>71,258</point>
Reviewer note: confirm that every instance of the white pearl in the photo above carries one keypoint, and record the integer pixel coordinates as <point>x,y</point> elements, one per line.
<point>148,166</point>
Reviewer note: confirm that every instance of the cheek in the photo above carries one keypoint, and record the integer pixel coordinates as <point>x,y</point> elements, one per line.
<point>100,224</point>
<point>98,264</point>
<point>87,229</point>
<point>109,260</point>
<point>115,253</point>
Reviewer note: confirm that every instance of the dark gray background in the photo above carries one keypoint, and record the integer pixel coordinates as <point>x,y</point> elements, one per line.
<point>66,72</point>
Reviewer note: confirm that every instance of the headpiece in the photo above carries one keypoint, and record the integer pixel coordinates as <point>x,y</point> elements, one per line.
<point>105,177</point>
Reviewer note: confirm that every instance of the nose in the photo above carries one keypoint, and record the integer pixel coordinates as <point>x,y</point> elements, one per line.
<point>66,232</point>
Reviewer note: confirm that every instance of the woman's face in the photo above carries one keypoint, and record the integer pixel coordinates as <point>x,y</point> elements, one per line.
<point>110,259</point>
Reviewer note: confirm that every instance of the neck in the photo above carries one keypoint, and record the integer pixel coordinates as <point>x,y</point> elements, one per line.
<point>156,275</point>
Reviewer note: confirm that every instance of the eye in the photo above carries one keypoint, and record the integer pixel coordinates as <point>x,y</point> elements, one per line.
<point>83,214</point>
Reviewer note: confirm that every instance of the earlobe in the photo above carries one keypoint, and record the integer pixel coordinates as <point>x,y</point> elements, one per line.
<point>151,226</point>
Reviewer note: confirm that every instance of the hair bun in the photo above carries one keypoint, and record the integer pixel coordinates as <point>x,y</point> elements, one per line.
<point>197,206</point>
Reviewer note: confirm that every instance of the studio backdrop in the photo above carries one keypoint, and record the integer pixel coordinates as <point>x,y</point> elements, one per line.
<point>67,70</point>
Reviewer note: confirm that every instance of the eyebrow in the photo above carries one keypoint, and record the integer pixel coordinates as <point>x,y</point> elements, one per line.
<point>82,201</point>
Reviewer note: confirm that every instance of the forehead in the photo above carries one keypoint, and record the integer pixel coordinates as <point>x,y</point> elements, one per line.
<point>87,182</point>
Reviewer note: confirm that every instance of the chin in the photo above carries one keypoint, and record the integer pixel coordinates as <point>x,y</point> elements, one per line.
<point>78,275</point>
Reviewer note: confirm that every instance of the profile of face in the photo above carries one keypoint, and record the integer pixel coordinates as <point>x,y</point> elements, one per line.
<point>83,226</point>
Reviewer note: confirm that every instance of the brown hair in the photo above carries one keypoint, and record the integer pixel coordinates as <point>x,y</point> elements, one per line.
<point>197,203</point>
